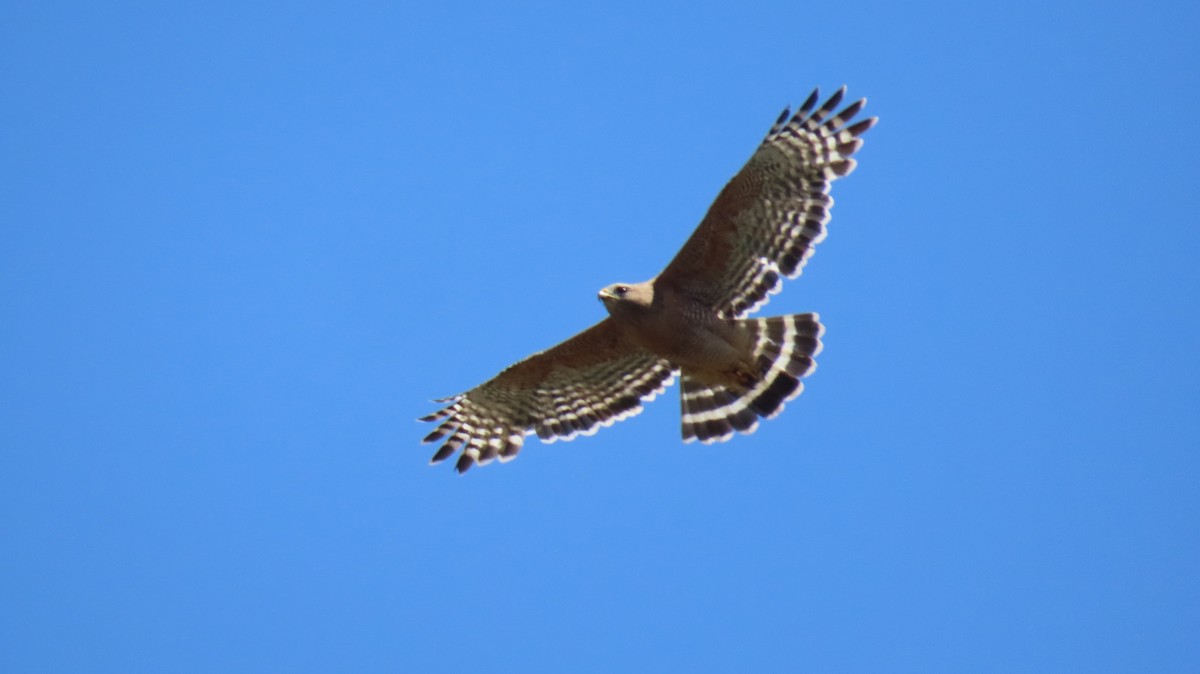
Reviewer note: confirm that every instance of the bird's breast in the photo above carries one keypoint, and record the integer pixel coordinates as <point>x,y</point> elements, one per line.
<point>686,339</point>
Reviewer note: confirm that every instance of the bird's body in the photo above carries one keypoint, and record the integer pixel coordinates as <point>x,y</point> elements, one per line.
<point>682,330</point>
<point>690,320</point>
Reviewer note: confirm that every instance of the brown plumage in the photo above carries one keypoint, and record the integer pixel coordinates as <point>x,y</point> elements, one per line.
<point>690,318</point>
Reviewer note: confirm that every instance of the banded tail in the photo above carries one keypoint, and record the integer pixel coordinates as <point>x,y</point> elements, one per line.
<point>784,348</point>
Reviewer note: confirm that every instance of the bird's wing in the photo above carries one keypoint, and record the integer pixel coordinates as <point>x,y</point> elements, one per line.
<point>765,222</point>
<point>593,379</point>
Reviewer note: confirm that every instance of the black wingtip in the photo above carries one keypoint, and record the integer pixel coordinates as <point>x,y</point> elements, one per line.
<point>859,128</point>
<point>436,435</point>
<point>809,102</point>
<point>834,100</point>
<point>443,453</point>
<point>851,110</point>
<point>464,463</point>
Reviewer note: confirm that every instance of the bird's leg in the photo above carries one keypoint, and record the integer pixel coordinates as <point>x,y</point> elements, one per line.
<point>744,378</point>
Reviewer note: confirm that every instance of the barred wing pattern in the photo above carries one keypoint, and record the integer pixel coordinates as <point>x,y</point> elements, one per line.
<point>766,221</point>
<point>594,379</point>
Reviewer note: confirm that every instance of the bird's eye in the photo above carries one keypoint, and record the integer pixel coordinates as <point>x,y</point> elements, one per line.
<point>621,290</point>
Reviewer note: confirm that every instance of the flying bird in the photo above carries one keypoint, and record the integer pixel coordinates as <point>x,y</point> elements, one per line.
<point>690,320</point>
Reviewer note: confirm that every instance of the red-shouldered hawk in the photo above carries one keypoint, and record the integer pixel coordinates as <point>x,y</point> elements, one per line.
<point>688,320</point>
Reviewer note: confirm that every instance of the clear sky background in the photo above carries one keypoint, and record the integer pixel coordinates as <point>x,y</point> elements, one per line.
<point>245,243</point>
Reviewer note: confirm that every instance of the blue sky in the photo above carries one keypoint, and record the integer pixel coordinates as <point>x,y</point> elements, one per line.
<point>245,244</point>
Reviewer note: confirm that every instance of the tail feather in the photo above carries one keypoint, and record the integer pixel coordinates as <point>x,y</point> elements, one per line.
<point>784,349</point>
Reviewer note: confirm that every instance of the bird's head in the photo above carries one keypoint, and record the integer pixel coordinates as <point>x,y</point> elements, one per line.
<point>625,296</point>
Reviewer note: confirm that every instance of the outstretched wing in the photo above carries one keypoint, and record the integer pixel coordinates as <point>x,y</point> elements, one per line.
<point>766,221</point>
<point>593,379</point>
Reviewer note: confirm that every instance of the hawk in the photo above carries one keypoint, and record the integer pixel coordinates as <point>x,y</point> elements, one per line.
<point>690,319</point>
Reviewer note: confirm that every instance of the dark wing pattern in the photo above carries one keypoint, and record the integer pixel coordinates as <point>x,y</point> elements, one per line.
<point>591,380</point>
<point>765,222</point>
